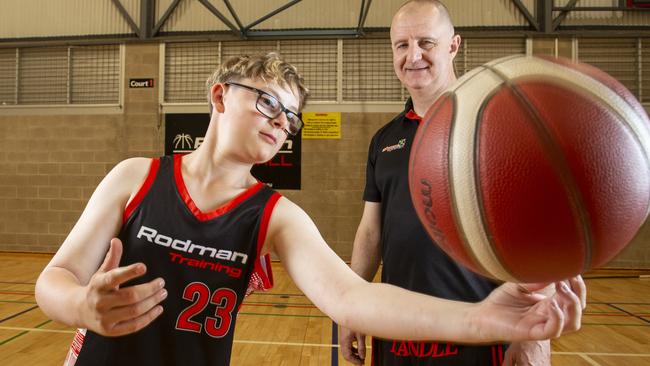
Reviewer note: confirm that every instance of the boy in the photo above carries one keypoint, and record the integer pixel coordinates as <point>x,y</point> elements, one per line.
<point>190,235</point>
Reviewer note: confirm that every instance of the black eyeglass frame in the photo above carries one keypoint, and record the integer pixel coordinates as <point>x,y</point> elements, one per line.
<point>284,109</point>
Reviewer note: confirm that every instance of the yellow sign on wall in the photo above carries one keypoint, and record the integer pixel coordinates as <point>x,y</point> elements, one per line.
<point>321,125</point>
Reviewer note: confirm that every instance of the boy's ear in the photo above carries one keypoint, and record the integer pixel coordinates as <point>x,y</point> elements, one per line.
<point>216,95</point>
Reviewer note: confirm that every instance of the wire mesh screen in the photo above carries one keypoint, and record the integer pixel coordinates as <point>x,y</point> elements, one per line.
<point>475,52</point>
<point>60,75</point>
<point>645,71</point>
<point>316,61</point>
<point>616,56</point>
<point>187,67</point>
<point>43,76</point>
<point>95,75</point>
<point>368,71</point>
<point>8,68</point>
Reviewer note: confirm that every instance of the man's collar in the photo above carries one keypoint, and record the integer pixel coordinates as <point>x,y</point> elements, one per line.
<point>409,112</point>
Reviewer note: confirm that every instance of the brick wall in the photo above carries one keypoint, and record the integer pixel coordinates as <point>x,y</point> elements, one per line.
<point>50,165</point>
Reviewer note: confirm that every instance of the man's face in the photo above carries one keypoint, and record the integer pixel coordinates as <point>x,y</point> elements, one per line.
<point>424,47</point>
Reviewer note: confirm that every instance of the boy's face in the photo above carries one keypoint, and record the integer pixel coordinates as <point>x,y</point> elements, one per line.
<point>244,130</point>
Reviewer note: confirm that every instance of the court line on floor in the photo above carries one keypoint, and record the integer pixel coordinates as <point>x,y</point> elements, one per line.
<point>589,360</point>
<point>19,313</point>
<point>630,314</point>
<point>325,345</point>
<point>335,342</point>
<point>23,332</point>
<point>612,354</point>
<point>28,293</point>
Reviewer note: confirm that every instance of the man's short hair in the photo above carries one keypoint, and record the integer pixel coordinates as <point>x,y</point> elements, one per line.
<point>268,67</point>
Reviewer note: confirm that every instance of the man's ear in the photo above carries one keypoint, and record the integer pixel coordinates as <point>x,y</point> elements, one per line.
<point>455,45</point>
<point>217,97</point>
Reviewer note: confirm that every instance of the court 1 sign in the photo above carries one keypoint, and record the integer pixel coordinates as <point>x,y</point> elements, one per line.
<point>141,83</point>
<point>185,132</point>
<point>321,125</point>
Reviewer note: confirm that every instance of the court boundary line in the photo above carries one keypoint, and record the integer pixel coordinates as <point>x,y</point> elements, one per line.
<point>589,360</point>
<point>327,345</point>
<point>19,313</point>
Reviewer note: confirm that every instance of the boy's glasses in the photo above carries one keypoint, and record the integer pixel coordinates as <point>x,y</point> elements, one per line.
<point>271,107</point>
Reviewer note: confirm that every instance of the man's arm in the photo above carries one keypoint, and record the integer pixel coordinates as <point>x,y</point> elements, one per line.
<point>366,256</point>
<point>366,251</point>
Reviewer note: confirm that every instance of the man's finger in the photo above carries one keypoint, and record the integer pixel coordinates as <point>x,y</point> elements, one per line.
<point>361,346</point>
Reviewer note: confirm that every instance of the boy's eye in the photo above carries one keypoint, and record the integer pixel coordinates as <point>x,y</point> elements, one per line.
<point>269,101</point>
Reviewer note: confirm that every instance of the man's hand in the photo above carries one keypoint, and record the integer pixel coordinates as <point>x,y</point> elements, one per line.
<point>533,353</point>
<point>353,346</point>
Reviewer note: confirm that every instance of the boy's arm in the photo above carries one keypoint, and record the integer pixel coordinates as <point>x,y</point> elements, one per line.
<point>388,311</point>
<point>73,283</point>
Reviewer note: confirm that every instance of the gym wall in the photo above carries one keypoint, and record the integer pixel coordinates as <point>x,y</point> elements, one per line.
<point>51,158</point>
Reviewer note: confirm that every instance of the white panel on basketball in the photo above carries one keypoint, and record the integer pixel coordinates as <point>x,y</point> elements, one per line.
<point>470,97</point>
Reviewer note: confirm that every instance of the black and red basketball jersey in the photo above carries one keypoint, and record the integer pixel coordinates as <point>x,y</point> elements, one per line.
<point>209,262</point>
<point>411,259</point>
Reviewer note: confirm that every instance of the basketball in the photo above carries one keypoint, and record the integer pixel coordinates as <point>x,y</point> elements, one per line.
<point>532,169</point>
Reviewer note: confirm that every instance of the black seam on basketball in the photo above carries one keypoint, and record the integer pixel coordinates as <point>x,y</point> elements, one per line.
<point>561,166</point>
<point>479,192</point>
<point>452,194</point>
<point>621,119</point>
<point>414,151</point>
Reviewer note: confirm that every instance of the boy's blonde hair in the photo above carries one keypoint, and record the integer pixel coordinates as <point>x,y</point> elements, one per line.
<point>268,67</point>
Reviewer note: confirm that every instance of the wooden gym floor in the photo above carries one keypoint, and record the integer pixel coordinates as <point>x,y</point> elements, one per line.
<point>282,327</point>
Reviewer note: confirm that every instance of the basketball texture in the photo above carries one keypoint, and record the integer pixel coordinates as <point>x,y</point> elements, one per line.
<point>531,169</point>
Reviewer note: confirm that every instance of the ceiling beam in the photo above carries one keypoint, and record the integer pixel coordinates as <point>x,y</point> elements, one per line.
<point>544,15</point>
<point>365,8</point>
<point>570,6</point>
<point>234,16</point>
<point>221,17</point>
<point>267,16</point>
<point>165,17</point>
<point>526,13</point>
<point>125,14</point>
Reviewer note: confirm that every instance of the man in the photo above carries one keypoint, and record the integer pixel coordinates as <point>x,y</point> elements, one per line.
<point>424,46</point>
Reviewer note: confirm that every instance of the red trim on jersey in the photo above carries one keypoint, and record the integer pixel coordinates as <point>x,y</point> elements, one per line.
<point>413,116</point>
<point>494,357</point>
<point>205,216</point>
<point>146,185</point>
<point>263,263</point>
<point>500,355</point>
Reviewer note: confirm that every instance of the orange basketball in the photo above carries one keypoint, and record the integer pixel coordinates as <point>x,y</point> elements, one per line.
<point>532,169</point>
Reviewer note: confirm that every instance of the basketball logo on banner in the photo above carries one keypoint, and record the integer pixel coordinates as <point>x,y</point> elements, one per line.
<point>184,133</point>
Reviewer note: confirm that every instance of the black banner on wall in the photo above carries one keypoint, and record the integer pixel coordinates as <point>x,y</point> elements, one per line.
<point>185,132</point>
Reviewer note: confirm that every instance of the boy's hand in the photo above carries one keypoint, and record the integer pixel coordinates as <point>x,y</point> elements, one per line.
<point>110,310</point>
